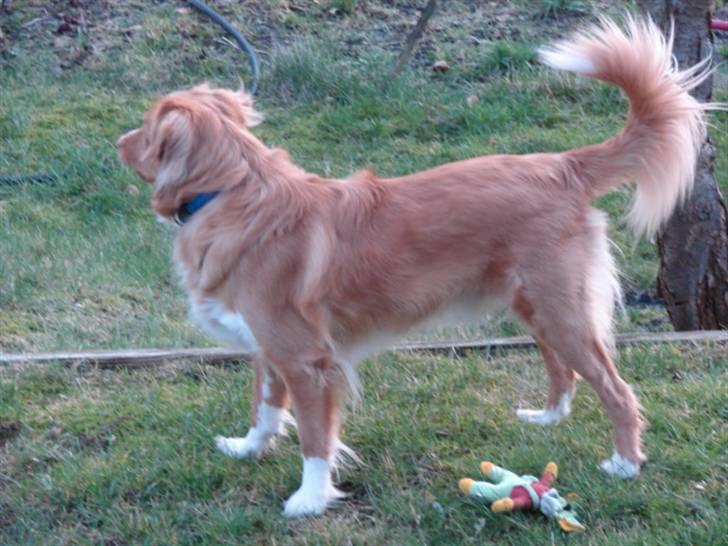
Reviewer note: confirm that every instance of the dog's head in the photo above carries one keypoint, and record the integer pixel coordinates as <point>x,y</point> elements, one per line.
<point>187,142</point>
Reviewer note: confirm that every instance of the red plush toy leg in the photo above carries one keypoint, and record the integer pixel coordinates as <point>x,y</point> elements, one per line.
<point>519,500</point>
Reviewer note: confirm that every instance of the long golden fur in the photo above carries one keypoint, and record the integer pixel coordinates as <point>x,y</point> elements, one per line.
<point>314,273</point>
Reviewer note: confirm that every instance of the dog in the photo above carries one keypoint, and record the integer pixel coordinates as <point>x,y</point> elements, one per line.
<point>312,274</point>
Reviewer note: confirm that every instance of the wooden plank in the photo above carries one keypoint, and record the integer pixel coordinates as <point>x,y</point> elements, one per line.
<point>124,358</point>
<point>527,342</point>
<point>147,357</point>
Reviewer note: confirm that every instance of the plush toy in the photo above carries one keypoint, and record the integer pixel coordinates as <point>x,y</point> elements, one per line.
<point>509,492</point>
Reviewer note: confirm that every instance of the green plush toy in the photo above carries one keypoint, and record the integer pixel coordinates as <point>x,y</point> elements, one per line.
<point>509,492</point>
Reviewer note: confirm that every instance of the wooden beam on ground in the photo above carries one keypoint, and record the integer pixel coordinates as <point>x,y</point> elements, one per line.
<point>139,358</point>
<point>132,358</point>
<point>527,342</point>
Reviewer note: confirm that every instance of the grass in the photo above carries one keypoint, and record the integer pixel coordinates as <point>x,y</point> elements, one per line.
<point>556,8</point>
<point>104,456</point>
<point>91,456</point>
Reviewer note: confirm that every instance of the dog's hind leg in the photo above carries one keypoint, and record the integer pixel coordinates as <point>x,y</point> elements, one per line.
<point>581,350</point>
<point>561,391</point>
<point>571,291</point>
<point>270,414</point>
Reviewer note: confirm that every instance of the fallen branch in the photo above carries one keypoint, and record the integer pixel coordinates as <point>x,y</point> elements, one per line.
<point>139,358</point>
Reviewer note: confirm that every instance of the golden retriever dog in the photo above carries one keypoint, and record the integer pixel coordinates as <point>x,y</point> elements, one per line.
<point>312,274</point>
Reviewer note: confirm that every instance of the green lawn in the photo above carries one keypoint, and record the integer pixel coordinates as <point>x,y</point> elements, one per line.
<point>116,457</point>
<point>91,456</point>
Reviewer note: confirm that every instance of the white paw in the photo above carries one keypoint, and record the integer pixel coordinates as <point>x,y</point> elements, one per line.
<point>253,445</point>
<point>316,491</point>
<point>542,417</point>
<point>548,416</point>
<point>620,467</point>
<point>306,502</point>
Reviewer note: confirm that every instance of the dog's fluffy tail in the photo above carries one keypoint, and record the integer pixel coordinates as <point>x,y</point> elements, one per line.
<point>665,128</point>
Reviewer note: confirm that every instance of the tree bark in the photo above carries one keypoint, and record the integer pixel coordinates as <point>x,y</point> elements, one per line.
<point>693,246</point>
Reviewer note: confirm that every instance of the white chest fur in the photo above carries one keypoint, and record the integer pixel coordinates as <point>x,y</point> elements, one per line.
<point>224,325</point>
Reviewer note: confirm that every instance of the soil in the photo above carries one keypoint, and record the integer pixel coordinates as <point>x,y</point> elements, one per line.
<point>8,431</point>
<point>77,30</point>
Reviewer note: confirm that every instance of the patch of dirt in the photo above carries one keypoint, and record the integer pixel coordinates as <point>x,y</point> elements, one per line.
<point>102,437</point>
<point>13,343</point>
<point>78,30</point>
<point>7,517</point>
<point>73,29</point>
<point>8,431</point>
<point>385,25</point>
<point>96,442</point>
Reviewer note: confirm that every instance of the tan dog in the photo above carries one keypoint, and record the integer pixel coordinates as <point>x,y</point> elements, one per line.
<point>312,274</point>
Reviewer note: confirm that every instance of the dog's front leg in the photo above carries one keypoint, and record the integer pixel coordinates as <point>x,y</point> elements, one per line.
<point>269,414</point>
<point>316,388</point>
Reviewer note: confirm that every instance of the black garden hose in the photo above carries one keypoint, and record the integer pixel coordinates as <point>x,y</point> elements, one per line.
<point>242,42</point>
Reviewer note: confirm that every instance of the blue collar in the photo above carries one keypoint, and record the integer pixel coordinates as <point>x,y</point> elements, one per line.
<point>187,209</point>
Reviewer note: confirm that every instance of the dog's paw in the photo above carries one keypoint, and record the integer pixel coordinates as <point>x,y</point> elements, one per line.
<point>547,416</point>
<point>620,467</point>
<point>252,446</point>
<point>309,502</point>
<point>542,417</point>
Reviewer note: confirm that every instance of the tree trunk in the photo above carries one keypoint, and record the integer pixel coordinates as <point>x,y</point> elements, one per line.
<point>693,246</point>
<point>414,36</point>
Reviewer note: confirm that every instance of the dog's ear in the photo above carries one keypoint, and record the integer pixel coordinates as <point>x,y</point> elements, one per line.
<point>236,106</point>
<point>171,142</point>
<point>252,116</point>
